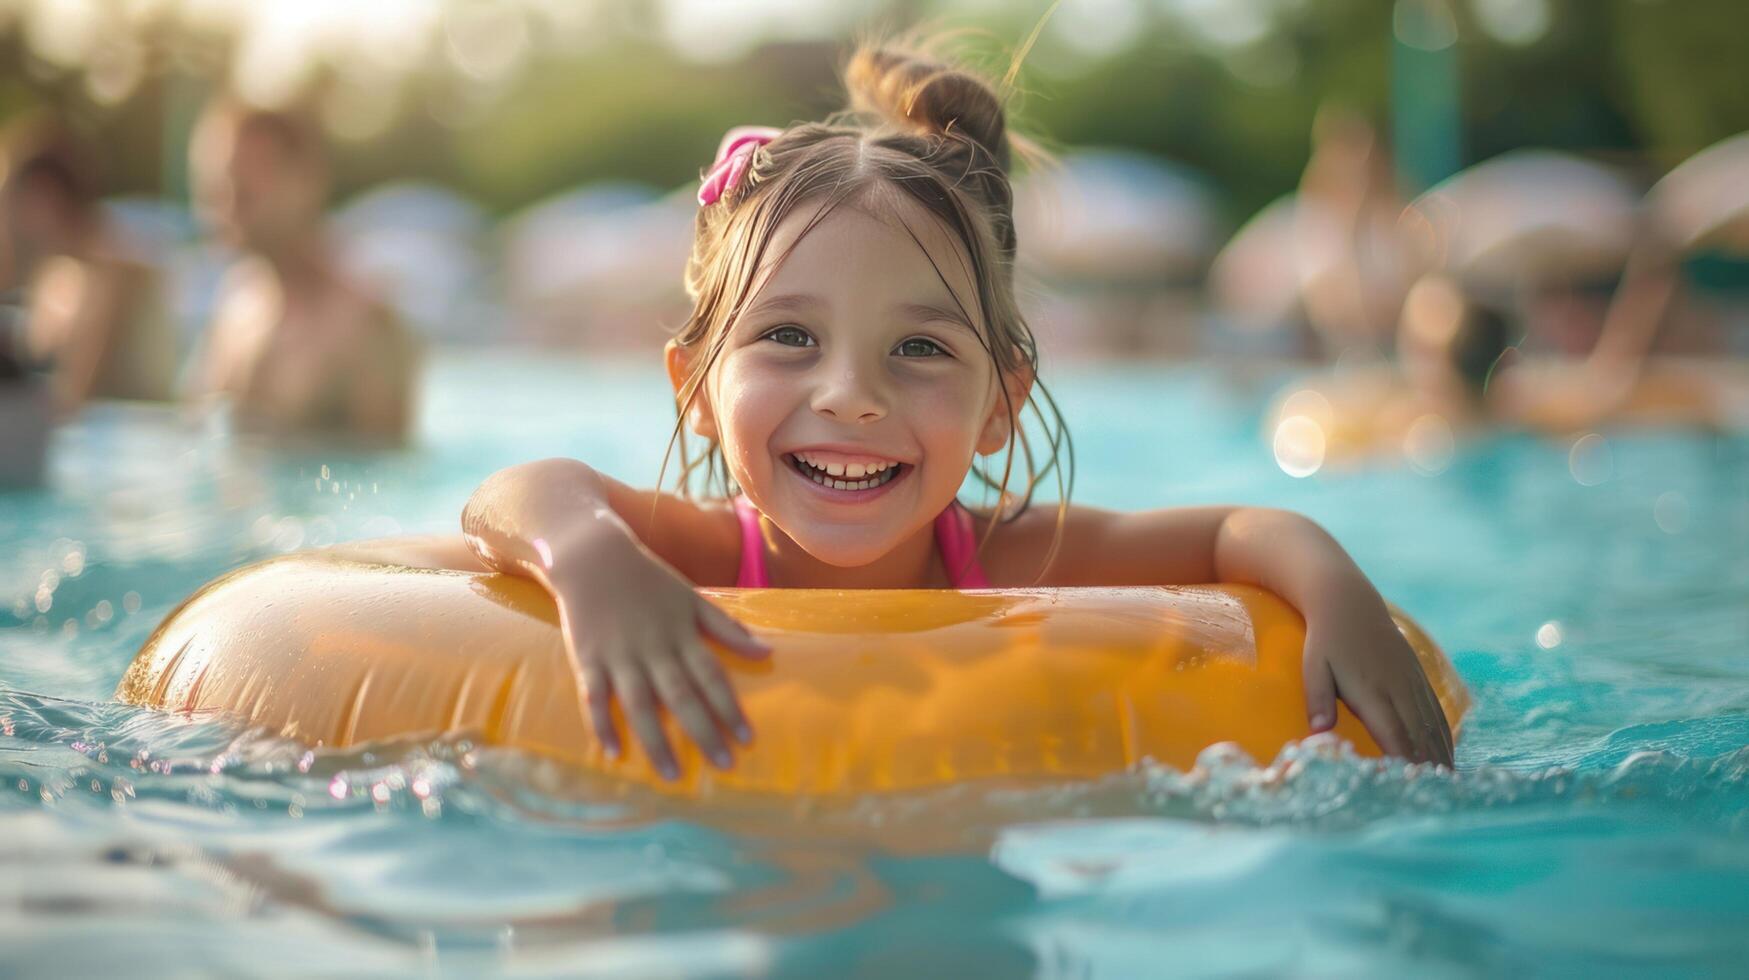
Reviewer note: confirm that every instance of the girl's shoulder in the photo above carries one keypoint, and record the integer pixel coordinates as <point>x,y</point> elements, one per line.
<point>1030,547</point>
<point>1079,546</point>
<point>700,538</point>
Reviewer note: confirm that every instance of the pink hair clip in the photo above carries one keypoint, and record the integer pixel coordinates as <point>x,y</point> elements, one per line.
<point>734,156</point>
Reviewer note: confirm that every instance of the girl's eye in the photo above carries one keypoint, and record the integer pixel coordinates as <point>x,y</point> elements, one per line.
<point>790,337</point>
<point>919,347</point>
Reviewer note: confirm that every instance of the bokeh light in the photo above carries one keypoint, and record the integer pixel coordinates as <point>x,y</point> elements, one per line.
<point>1591,460</point>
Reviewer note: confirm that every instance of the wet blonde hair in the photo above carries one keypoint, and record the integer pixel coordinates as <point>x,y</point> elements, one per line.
<point>936,134</point>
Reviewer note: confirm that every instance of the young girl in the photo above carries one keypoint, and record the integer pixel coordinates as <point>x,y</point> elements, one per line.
<point>854,347</point>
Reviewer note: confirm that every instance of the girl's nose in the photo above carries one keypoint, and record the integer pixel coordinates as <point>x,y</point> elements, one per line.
<point>846,396</point>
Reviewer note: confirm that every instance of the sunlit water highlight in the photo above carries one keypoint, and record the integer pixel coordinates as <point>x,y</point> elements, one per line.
<point>1596,821</point>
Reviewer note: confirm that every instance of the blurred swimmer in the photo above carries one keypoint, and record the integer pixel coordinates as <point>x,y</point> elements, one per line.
<point>1459,369</point>
<point>92,310</point>
<point>294,344</point>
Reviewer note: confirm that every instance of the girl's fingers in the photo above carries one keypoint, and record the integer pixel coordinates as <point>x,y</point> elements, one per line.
<point>635,695</point>
<point>1320,695</point>
<point>1438,728</point>
<point>1411,717</point>
<point>598,705</point>
<point>674,686</point>
<point>1420,713</point>
<point>713,683</point>
<point>723,628</point>
<point>1380,718</point>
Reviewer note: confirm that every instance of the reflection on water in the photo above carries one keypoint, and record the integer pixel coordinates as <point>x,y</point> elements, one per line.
<point>1598,816</point>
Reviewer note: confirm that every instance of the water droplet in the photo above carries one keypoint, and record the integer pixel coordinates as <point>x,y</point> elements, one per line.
<point>289,534</point>
<point>1591,461</point>
<point>1428,445</point>
<point>1549,635</point>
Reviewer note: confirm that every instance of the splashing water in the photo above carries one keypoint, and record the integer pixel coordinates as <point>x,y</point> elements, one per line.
<point>1598,819</point>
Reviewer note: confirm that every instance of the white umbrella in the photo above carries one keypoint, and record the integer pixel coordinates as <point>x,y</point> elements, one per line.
<point>421,246</point>
<point>1115,216</point>
<point>1529,216</point>
<point>1291,246</point>
<point>1256,277</point>
<point>602,263</point>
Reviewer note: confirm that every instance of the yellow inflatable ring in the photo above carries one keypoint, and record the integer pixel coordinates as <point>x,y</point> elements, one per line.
<point>866,691</point>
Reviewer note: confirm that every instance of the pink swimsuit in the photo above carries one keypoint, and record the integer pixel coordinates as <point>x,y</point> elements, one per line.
<point>953,535</point>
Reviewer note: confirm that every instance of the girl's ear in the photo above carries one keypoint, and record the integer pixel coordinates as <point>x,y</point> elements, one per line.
<point>1005,414</point>
<point>699,417</point>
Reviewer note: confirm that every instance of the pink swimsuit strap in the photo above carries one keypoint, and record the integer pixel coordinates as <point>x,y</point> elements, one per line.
<point>954,535</point>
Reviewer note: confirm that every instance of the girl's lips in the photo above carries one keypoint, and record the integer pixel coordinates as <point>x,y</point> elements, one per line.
<point>837,496</point>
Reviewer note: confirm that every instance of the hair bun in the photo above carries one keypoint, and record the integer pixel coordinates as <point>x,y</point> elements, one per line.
<point>915,93</point>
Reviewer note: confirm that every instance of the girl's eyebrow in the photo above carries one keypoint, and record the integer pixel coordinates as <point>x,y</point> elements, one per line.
<point>929,312</point>
<point>918,312</point>
<point>789,302</point>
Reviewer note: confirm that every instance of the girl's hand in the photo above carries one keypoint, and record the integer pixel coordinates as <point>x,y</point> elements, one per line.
<point>635,628</point>
<point>1354,650</point>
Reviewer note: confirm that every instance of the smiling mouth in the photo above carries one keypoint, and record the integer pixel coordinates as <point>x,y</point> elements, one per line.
<point>852,477</point>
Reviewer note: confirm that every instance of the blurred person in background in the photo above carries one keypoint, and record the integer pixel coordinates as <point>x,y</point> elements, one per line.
<point>1322,271</point>
<point>1460,371</point>
<point>295,345</point>
<point>1459,359</point>
<point>1353,264</point>
<point>1686,286</point>
<point>91,311</point>
<point>1458,356</point>
<point>25,409</point>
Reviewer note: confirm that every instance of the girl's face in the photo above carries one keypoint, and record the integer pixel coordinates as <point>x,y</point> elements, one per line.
<point>851,396</point>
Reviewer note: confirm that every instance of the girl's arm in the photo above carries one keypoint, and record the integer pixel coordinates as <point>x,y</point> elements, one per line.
<point>622,576</point>
<point>1353,648</point>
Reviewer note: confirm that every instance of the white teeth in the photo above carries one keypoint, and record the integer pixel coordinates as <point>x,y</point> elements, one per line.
<point>849,470</point>
<point>874,474</point>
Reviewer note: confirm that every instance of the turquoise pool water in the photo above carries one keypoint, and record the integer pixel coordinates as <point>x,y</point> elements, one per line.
<point>1597,601</point>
